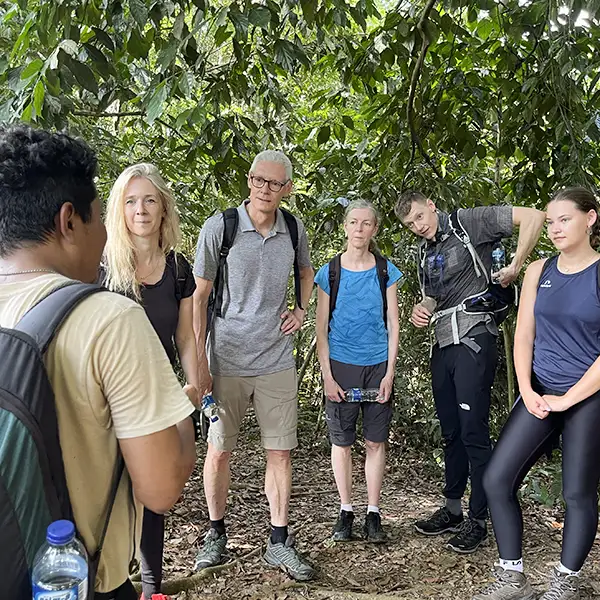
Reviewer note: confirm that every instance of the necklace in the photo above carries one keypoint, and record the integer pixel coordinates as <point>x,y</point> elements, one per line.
<point>576,268</point>
<point>27,271</point>
<point>151,272</point>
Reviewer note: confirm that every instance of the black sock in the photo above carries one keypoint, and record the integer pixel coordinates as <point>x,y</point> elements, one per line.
<point>279,534</point>
<point>218,526</point>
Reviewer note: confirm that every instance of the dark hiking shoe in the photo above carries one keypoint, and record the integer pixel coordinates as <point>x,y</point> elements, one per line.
<point>373,530</point>
<point>562,587</point>
<point>469,537</point>
<point>211,553</point>
<point>441,521</point>
<point>342,532</point>
<point>509,585</point>
<point>286,557</point>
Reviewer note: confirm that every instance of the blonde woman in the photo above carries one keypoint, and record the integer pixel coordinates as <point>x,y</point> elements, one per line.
<point>357,341</point>
<point>140,262</point>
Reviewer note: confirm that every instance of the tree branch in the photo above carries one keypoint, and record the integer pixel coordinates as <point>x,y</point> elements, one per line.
<point>414,81</point>
<point>114,115</point>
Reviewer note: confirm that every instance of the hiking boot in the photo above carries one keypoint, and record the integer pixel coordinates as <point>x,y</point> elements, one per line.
<point>286,557</point>
<point>562,587</point>
<point>211,553</point>
<point>469,537</point>
<point>373,530</point>
<point>156,597</point>
<point>509,585</point>
<point>441,521</point>
<point>342,532</point>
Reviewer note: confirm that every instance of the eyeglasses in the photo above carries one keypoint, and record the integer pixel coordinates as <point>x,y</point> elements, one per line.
<point>274,185</point>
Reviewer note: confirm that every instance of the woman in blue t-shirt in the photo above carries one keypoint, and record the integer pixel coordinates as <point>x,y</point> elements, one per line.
<point>557,350</point>
<point>358,349</point>
<point>140,261</point>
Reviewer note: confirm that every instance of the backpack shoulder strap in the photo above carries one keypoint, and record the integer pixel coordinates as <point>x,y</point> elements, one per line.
<point>43,320</point>
<point>230,227</point>
<point>335,267</point>
<point>383,277</point>
<point>461,233</point>
<point>546,267</point>
<point>292,226</point>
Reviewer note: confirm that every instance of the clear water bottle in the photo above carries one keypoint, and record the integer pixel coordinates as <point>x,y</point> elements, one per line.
<point>498,260</point>
<point>362,395</point>
<point>60,569</point>
<point>209,408</point>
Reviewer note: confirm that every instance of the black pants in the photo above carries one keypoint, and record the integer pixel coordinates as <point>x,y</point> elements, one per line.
<point>151,550</point>
<point>123,592</point>
<point>462,380</point>
<point>522,442</point>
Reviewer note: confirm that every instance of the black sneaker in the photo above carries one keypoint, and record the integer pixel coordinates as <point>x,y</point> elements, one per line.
<point>469,538</point>
<point>342,532</point>
<point>441,521</point>
<point>373,530</point>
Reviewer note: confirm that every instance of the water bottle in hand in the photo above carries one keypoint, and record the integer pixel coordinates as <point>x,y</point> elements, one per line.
<point>60,570</point>
<point>498,260</point>
<point>209,408</point>
<point>362,395</point>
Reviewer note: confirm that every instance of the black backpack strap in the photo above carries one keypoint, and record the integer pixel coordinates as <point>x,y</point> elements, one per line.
<point>292,226</point>
<point>230,227</point>
<point>383,277</point>
<point>546,267</point>
<point>43,320</point>
<point>335,268</point>
<point>94,560</point>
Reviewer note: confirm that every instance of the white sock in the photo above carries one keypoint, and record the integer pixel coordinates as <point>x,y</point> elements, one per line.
<point>512,565</point>
<point>372,508</point>
<point>563,569</point>
<point>346,507</point>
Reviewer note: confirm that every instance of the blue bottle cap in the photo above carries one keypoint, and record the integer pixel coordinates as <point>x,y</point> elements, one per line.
<point>60,532</point>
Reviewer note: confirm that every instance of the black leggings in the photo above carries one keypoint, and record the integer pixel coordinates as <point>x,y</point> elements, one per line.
<point>151,550</point>
<point>523,440</point>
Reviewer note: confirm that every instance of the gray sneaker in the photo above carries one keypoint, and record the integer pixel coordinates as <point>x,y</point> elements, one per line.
<point>562,587</point>
<point>211,553</point>
<point>286,557</point>
<point>509,585</point>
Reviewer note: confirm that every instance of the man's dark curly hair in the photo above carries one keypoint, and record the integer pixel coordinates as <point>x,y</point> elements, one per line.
<point>39,172</point>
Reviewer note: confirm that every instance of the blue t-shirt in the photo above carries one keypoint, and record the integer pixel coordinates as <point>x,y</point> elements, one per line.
<point>357,333</point>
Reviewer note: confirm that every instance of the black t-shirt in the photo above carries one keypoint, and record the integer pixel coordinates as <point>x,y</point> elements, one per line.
<point>161,299</point>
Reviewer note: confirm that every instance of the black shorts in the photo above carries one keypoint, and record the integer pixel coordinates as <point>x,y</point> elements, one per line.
<point>341,417</point>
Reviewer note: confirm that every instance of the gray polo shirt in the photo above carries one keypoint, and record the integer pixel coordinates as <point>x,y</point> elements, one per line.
<point>248,340</point>
<point>458,279</point>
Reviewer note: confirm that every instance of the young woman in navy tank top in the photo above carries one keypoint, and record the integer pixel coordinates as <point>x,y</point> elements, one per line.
<point>557,349</point>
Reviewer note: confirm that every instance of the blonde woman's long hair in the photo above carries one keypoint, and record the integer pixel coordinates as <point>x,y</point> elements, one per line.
<point>119,253</point>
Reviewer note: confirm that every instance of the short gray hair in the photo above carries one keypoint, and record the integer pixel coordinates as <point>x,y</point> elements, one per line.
<point>361,203</point>
<point>274,156</point>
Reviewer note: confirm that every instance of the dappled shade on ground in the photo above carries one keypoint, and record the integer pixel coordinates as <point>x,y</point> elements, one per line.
<point>409,566</point>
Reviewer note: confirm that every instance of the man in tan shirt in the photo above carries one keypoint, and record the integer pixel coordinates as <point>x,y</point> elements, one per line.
<point>114,387</point>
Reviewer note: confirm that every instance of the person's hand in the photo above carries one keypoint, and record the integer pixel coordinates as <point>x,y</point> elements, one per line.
<point>506,275</point>
<point>385,388</point>
<point>333,391</point>
<point>420,316</point>
<point>292,320</point>
<point>205,382</point>
<point>536,405</point>
<point>558,403</point>
<point>192,394</point>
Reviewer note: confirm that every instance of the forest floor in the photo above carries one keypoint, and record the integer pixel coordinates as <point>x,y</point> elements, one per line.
<point>410,566</point>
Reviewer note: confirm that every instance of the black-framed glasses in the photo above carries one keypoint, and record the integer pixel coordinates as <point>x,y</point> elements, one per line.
<point>274,185</point>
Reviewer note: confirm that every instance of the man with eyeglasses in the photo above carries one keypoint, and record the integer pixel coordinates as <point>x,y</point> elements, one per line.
<point>250,349</point>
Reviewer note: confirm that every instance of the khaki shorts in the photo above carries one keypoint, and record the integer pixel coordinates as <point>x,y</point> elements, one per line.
<point>275,400</point>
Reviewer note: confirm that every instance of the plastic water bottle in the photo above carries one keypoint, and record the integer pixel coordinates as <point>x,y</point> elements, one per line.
<point>209,408</point>
<point>498,260</point>
<point>60,569</point>
<point>362,395</point>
